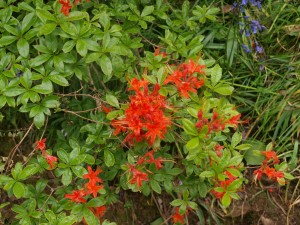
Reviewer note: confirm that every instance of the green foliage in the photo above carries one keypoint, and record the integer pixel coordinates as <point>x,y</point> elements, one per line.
<point>74,75</point>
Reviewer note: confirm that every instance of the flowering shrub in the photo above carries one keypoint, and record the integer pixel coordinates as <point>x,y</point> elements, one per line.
<point>116,114</point>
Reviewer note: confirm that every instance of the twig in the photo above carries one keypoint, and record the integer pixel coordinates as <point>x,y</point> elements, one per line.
<point>13,151</point>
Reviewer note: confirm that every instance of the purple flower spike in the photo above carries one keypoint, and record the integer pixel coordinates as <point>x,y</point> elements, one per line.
<point>244,2</point>
<point>259,49</point>
<point>246,48</point>
<point>255,25</point>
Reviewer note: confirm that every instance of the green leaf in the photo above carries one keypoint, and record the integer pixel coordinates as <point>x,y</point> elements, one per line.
<point>236,138</point>
<point>193,143</point>
<point>235,185</point>
<point>216,74</point>
<point>155,186</point>
<point>39,120</point>
<point>147,10</point>
<point>226,200</point>
<point>2,101</point>
<point>96,202</point>
<point>66,177</point>
<point>109,158</point>
<point>19,190</point>
<point>69,28</point>
<point>11,29</point>
<point>39,60</point>
<point>235,160</point>
<point>28,171</point>
<point>45,15</point>
<point>51,101</point>
<point>23,47</point>
<point>93,57</point>
<point>243,147</point>
<point>68,220</point>
<point>176,202</point>
<point>223,89</point>
<point>90,218</point>
<point>68,46</point>
<point>106,67</point>
<point>51,217</point>
<point>79,170</point>
<point>63,155</point>
<point>77,15</point>
<point>47,28</point>
<point>189,127</point>
<point>112,100</point>
<point>58,79</point>
<point>81,47</point>
<point>44,88</point>
<point>6,40</point>
<point>26,80</point>
<point>27,22</point>
<point>205,174</point>
<point>14,91</point>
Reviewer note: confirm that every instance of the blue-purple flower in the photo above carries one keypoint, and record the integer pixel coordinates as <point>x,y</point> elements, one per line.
<point>246,48</point>
<point>255,25</point>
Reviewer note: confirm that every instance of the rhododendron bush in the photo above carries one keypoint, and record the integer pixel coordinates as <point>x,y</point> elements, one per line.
<point>110,110</point>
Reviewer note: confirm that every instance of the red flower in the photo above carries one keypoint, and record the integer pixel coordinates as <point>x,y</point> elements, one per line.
<point>177,217</point>
<point>157,161</point>
<point>106,109</point>
<point>51,160</point>
<point>76,196</point>
<point>41,144</point>
<point>218,195</point>
<point>184,80</point>
<point>144,118</point>
<point>99,211</point>
<point>218,149</point>
<point>92,188</point>
<point>234,120</point>
<point>270,155</point>
<point>137,176</point>
<point>273,174</point>
<point>65,6</point>
<point>258,173</point>
<point>93,176</point>
<point>157,52</point>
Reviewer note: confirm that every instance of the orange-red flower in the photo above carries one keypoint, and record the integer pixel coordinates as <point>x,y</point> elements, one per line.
<point>41,144</point>
<point>66,6</point>
<point>157,52</point>
<point>76,196</point>
<point>144,118</point>
<point>137,176</point>
<point>270,155</point>
<point>93,175</point>
<point>177,217</point>
<point>51,160</point>
<point>184,80</point>
<point>93,188</point>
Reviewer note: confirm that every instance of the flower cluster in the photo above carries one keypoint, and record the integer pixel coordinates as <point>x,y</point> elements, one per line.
<point>184,79</point>
<point>66,5</point>
<point>216,123</point>
<point>249,28</point>
<point>51,160</point>
<point>268,169</point>
<point>223,185</point>
<point>177,217</point>
<point>93,186</point>
<point>137,175</point>
<point>144,118</point>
